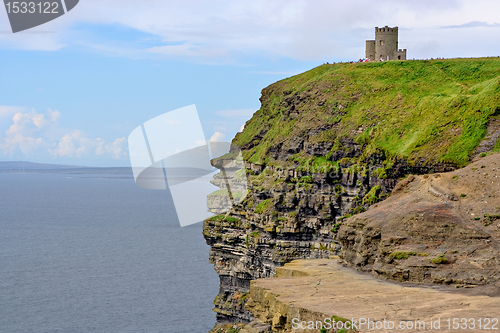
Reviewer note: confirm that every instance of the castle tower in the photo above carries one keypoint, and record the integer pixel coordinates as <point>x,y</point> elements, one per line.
<point>385,45</point>
<point>370,50</point>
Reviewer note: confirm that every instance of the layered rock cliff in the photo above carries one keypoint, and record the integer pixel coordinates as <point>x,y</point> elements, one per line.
<point>327,144</point>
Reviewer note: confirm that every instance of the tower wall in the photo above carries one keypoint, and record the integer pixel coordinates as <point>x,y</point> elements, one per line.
<point>370,50</point>
<point>386,43</point>
<point>401,54</point>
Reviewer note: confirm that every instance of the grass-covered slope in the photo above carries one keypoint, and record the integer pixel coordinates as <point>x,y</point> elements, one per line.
<point>423,111</point>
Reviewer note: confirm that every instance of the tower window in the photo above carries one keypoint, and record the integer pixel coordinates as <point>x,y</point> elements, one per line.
<point>381,42</point>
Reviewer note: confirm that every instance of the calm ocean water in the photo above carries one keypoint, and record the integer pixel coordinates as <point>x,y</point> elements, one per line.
<point>99,255</point>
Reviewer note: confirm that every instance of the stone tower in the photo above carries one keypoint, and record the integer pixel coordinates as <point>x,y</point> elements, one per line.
<point>385,45</point>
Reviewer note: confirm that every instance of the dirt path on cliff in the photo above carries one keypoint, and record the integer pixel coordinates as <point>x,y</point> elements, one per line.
<point>313,290</point>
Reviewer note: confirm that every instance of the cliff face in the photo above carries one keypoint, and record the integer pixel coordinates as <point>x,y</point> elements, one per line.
<point>329,143</point>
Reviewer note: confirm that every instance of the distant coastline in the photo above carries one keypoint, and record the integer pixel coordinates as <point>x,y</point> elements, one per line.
<point>30,167</point>
<point>176,175</point>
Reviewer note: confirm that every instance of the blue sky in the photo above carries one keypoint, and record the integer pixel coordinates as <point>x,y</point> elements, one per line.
<point>73,89</point>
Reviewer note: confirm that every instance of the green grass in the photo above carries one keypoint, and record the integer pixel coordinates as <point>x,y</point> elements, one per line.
<point>440,260</point>
<point>372,196</point>
<point>496,149</point>
<point>336,227</point>
<point>306,179</point>
<point>219,193</point>
<point>345,217</point>
<point>425,110</point>
<point>315,164</point>
<point>237,195</point>
<point>232,221</point>
<point>489,219</point>
<point>380,173</point>
<point>256,234</point>
<point>263,206</point>
<point>406,255</point>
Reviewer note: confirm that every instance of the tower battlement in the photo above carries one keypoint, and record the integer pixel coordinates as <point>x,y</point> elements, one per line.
<point>385,45</point>
<point>386,29</point>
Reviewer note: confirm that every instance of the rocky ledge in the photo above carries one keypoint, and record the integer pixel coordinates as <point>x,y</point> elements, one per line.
<point>308,295</point>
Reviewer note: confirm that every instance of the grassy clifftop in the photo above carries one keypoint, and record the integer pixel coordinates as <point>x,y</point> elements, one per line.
<point>423,111</point>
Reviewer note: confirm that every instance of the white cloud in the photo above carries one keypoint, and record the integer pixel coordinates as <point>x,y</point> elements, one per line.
<point>474,24</point>
<point>116,150</point>
<point>218,137</point>
<point>34,133</point>
<point>242,128</point>
<point>8,111</point>
<point>298,29</point>
<point>23,133</point>
<point>71,144</point>
<point>26,144</point>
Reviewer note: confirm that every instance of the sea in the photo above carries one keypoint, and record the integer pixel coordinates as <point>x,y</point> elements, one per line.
<point>91,253</point>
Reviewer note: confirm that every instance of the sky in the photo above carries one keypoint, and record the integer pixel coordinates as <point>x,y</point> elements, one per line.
<point>73,89</point>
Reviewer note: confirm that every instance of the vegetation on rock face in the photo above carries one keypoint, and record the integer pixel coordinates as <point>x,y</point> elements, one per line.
<point>372,196</point>
<point>406,255</point>
<point>220,218</point>
<point>226,220</point>
<point>263,206</point>
<point>219,193</point>
<point>491,218</point>
<point>440,260</point>
<point>424,111</point>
